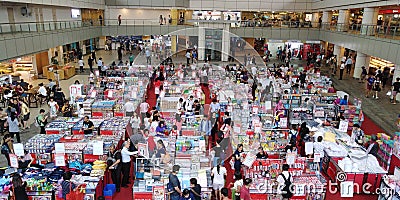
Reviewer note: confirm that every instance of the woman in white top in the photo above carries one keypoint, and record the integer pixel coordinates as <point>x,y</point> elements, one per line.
<point>319,150</point>
<point>53,108</point>
<point>81,111</point>
<point>218,174</point>
<point>135,122</point>
<point>237,186</point>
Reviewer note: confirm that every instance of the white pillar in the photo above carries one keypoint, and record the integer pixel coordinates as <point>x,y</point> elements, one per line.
<point>369,20</point>
<point>326,17</point>
<point>361,60</point>
<point>226,43</point>
<point>202,43</point>
<point>339,52</point>
<point>396,73</point>
<point>343,20</point>
<point>315,20</point>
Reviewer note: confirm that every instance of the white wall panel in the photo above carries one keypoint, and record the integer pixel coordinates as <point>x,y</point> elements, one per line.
<point>29,44</point>
<point>11,48</point>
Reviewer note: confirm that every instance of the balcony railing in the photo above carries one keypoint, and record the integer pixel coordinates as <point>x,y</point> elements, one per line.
<point>389,32</point>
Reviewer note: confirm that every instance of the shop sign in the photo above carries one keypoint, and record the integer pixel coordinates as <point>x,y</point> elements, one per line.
<point>294,41</point>
<point>313,42</point>
<point>275,41</point>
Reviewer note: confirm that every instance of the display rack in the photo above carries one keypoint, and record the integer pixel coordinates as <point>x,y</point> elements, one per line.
<point>351,113</point>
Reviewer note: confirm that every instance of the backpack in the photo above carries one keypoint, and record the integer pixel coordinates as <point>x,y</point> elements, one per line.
<point>286,190</point>
<point>5,149</point>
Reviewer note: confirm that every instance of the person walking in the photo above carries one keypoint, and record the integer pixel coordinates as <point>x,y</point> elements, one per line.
<point>13,126</point>
<point>99,64</point>
<point>7,147</point>
<point>119,20</point>
<point>363,74</point>
<point>81,64</point>
<point>131,58</point>
<point>25,114</point>
<point>90,63</point>
<point>395,90</point>
<point>148,56</point>
<point>218,175</point>
<point>67,185</point>
<point>377,87</point>
<point>342,67</point>
<point>349,64</point>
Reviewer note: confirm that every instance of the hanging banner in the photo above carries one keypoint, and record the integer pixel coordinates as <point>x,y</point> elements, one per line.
<point>59,148</point>
<point>98,148</point>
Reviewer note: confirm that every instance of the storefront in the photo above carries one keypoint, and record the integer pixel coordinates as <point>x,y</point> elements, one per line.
<point>376,64</point>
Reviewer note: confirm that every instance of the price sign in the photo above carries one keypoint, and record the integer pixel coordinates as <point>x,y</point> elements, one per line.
<point>13,160</point>
<point>158,193</point>
<point>309,148</point>
<point>98,148</point>
<point>343,126</point>
<point>59,160</point>
<point>283,123</point>
<point>317,157</point>
<point>236,128</point>
<point>59,148</point>
<point>19,149</point>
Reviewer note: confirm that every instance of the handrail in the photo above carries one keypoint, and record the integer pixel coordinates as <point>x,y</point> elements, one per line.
<point>372,30</point>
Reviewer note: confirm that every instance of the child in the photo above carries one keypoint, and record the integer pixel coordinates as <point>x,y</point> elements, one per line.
<point>186,195</point>
<point>195,189</point>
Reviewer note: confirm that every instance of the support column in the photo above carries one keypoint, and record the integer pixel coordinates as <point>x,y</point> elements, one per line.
<point>226,43</point>
<point>343,20</point>
<point>361,60</point>
<point>338,51</point>
<point>202,43</point>
<point>326,19</point>
<point>369,21</point>
<point>174,42</point>
<point>315,20</point>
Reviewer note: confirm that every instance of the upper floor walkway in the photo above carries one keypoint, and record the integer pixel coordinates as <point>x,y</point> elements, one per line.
<point>27,38</point>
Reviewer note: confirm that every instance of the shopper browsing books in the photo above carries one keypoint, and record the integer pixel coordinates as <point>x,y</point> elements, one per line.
<point>88,126</point>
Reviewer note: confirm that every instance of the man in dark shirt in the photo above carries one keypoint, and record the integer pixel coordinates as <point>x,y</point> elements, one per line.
<point>396,89</point>
<point>90,63</point>
<point>88,126</point>
<point>175,183</point>
<point>195,189</point>
<point>24,84</point>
